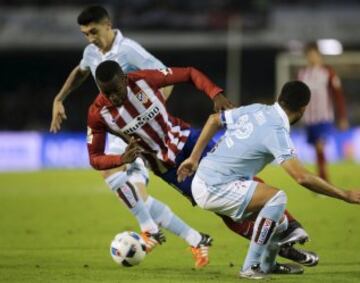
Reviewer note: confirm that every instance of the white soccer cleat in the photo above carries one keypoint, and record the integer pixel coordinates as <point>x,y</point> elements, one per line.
<point>297,236</point>
<point>254,273</point>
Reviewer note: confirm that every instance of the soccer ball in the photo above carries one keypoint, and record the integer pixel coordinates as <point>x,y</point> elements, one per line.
<point>128,249</point>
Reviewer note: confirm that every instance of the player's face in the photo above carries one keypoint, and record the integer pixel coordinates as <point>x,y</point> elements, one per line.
<point>115,90</point>
<point>298,116</point>
<point>313,57</point>
<point>97,33</point>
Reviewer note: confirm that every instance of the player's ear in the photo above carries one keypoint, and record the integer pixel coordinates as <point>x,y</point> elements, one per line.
<point>108,24</point>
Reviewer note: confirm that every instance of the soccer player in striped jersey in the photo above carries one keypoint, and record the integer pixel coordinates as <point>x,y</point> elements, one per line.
<point>131,105</point>
<point>127,182</point>
<point>255,136</point>
<point>327,96</point>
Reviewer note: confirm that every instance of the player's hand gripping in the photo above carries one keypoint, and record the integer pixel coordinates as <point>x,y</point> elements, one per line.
<point>132,151</point>
<point>221,103</point>
<point>186,169</point>
<point>58,115</point>
<point>352,197</point>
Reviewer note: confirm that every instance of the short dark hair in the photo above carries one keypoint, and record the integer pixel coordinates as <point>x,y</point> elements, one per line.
<point>107,70</point>
<point>311,46</point>
<point>92,14</point>
<point>294,95</point>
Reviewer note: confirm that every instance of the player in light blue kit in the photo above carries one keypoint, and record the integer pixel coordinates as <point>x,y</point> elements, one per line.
<point>255,136</point>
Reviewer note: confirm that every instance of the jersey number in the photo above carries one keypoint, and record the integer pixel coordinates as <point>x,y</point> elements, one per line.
<point>241,131</point>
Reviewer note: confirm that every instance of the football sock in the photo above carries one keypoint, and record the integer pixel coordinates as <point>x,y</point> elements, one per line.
<point>270,253</point>
<point>264,228</point>
<point>164,217</point>
<point>127,192</point>
<point>245,227</point>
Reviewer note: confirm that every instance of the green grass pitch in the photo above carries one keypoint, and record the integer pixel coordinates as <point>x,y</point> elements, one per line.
<point>56,226</point>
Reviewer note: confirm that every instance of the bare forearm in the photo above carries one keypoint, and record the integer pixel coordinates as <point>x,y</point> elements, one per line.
<point>318,185</point>
<point>74,80</point>
<point>211,127</point>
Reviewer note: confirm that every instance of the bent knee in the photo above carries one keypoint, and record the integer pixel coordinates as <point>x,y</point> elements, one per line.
<point>279,198</point>
<point>107,173</point>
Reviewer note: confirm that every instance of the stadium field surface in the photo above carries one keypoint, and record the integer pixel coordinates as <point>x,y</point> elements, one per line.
<point>56,226</point>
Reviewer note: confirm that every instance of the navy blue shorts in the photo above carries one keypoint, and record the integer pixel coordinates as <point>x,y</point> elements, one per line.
<point>318,131</point>
<point>170,176</point>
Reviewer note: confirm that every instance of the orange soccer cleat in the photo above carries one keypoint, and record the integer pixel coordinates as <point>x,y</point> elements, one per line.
<point>152,240</point>
<point>201,251</point>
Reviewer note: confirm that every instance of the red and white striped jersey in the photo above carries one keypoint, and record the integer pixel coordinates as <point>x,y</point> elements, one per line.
<point>143,115</point>
<point>326,93</point>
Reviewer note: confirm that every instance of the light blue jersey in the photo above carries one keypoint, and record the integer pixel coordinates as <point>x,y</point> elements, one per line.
<point>255,136</point>
<point>130,55</point>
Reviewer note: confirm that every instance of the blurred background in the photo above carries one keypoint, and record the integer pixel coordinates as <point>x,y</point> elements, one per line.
<point>248,47</point>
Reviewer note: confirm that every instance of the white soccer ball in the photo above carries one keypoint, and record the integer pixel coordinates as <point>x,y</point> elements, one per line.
<point>128,249</point>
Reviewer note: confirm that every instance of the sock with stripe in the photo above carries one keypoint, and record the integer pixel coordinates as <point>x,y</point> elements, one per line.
<point>128,194</point>
<point>265,225</point>
<point>269,256</point>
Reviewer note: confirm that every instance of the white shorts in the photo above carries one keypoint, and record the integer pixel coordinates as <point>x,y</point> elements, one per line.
<point>136,171</point>
<point>115,145</point>
<point>229,199</point>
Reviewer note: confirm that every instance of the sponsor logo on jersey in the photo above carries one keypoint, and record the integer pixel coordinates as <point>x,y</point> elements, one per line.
<point>141,120</point>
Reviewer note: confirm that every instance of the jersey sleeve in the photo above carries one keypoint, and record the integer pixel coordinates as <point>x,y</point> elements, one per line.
<point>84,63</point>
<point>138,58</point>
<point>170,76</point>
<point>96,138</point>
<point>280,145</point>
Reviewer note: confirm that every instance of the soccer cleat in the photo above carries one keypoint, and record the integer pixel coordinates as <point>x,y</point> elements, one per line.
<point>303,257</point>
<point>152,240</point>
<point>254,272</point>
<point>201,251</point>
<point>287,268</point>
<point>297,235</point>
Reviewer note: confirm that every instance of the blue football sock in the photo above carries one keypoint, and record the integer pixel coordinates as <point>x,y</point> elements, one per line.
<point>264,228</point>
<point>164,217</point>
<point>268,259</point>
<point>127,192</point>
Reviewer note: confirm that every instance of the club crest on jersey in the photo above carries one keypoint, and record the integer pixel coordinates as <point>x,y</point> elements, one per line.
<point>142,97</point>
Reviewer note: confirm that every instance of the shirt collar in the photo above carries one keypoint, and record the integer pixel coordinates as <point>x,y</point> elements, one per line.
<point>118,38</point>
<point>283,116</point>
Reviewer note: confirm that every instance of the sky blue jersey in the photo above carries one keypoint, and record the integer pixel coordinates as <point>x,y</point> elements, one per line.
<point>130,55</point>
<point>255,135</point>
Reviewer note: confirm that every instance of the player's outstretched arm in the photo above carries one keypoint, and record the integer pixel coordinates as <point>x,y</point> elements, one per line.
<point>74,80</point>
<point>314,183</point>
<point>189,166</point>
